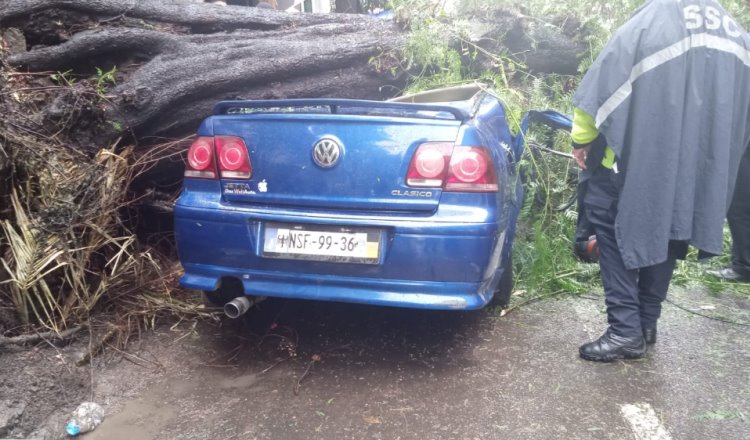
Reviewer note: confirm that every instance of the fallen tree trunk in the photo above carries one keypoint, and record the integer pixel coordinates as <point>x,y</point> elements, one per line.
<point>174,59</point>
<point>193,55</point>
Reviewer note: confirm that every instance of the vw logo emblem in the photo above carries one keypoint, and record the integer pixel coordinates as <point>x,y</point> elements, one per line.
<point>326,153</point>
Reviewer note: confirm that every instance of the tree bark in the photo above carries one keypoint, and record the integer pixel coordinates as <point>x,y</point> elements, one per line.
<point>183,12</point>
<point>173,67</point>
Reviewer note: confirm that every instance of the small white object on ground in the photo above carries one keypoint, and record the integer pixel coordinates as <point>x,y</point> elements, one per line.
<point>85,418</point>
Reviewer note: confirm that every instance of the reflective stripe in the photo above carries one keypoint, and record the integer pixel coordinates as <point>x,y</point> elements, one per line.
<point>663,56</point>
<point>609,158</point>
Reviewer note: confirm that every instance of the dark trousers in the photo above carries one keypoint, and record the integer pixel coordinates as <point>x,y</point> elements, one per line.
<point>739,219</point>
<point>633,296</point>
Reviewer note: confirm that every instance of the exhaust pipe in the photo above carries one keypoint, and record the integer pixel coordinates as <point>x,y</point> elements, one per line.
<point>237,307</point>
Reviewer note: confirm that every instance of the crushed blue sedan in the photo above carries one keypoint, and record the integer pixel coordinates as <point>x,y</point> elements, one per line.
<point>408,203</point>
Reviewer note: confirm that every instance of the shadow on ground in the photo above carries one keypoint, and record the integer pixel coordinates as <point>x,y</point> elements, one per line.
<point>310,370</point>
<point>348,335</point>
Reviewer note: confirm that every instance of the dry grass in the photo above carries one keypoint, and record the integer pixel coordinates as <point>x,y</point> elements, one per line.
<point>65,249</point>
<point>66,245</point>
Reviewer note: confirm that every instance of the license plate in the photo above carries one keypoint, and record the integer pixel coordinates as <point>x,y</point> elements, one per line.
<point>322,243</point>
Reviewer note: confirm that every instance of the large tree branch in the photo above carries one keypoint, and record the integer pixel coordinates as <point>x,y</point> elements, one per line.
<point>172,80</point>
<point>175,11</point>
<point>165,70</point>
<point>92,45</point>
<point>170,77</point>
<point>348,82</point>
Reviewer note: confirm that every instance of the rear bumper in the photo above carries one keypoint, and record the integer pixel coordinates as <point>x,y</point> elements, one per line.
<point>425,263</point>
<point>397,293</point>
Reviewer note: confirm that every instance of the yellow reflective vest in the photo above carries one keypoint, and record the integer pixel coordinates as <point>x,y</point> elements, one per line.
<point>584,132</point>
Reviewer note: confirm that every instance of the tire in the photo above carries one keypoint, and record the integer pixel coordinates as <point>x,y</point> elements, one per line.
<point>504,289</point>
<point>229,289</point>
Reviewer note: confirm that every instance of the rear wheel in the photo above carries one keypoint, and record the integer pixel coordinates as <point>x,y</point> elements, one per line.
<point>505,287</point>
<point>229,289</point>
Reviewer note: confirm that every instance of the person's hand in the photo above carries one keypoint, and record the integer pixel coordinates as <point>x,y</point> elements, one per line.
<point>580,155</point>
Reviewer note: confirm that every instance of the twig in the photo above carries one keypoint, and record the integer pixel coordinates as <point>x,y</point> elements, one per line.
<point>94,349</point>
<point>220,365</point>
<point>315,359</point>
<point>39,337</point>
<point>92,381</point>
<point>275,364</point>
<point>127,356</point>
<point>236,354</point>
<point>31,89</point>
<point>727,321</point>
<point>550,150</point>
<point>46,73</point>
<point>116,17</point>
<point>299,381</point>
<point>531,300</point>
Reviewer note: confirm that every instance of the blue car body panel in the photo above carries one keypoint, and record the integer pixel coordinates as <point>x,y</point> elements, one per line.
<point>435,249</point>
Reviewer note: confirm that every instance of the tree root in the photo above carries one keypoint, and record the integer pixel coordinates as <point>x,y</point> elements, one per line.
<point>39,337</point>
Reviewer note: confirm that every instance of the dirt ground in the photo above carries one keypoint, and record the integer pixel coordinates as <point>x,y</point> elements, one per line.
<point>329,371</point>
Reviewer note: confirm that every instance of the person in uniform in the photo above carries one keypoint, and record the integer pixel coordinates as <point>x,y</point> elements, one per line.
<point>660,125</point>
<point>739,225</point>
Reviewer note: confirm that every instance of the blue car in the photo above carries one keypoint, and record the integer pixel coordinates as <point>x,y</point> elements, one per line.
<point>407,203</point>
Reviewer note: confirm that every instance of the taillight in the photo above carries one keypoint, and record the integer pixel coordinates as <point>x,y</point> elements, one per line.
<point>229,151</point>
<point>454,168</point>
<point>429,165</point>
<point>200,159</point>
<point>234,161</point>
<point>471,170</point>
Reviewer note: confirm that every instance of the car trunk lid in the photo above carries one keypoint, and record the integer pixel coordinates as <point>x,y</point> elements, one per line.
<point>334,153</point>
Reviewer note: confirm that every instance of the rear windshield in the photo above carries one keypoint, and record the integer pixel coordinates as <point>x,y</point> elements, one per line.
<point>345,110</point>
<point>395,112</point>
<point>310,109</point>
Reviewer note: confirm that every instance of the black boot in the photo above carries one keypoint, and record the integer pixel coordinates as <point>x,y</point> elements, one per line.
<point>729,274</point>
<point>610,347</point>
<point>649,334</point>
